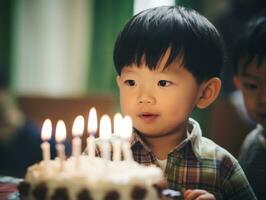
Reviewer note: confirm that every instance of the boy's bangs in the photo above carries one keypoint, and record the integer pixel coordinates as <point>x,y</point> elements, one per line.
<point>146,48</point>
<point>152,55</point>
<point>146,40</point>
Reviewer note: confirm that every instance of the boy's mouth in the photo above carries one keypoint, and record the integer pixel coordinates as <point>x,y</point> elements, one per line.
<point>148,117</point>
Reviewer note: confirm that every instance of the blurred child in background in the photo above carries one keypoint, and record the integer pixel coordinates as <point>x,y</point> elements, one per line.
<point>249,58</point>
<point>20,138</point>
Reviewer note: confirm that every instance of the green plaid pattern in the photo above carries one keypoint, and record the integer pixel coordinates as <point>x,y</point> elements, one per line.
<point>199,163</point>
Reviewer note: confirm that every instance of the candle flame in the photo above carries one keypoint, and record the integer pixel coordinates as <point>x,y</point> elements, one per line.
<point>92,121</point>
<point>46,130</point>
<point>118,120</point>
<point>78,126</point>
<point>60,131</point>
<point>127,127</point>
<point>105,127</point>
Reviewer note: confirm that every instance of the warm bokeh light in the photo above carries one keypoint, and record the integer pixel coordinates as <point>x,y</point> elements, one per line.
<point>60,131</point>
<point>105,127</point>
<point>78,126</point>
<point>127,128</point>
<point>92,121</point>
<point>46,130</point>
<point>118,120</point>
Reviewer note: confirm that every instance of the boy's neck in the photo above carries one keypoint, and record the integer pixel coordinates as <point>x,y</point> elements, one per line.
<point>162,145</point>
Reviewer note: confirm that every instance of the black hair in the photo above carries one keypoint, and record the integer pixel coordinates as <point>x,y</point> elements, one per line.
<point>251,44</point>
<point>149,34</point>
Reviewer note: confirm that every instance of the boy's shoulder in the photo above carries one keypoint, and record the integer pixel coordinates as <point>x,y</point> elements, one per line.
<point>208,149</point>
<point>255,133</point>
<point>255,138</point>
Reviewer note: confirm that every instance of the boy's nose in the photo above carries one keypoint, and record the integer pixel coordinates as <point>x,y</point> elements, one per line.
<point>145,99</point>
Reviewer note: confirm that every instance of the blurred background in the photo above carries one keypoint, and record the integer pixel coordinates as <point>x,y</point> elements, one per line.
<point>64,47</point>
<point>56,58</point>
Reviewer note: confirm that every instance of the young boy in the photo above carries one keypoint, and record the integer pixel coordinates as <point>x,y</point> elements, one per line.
<point>250,77</point>
<point>168,60</point>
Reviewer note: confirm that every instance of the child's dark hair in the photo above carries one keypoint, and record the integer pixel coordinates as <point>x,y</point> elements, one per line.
<point>149,34</point>
<point>251,44</point>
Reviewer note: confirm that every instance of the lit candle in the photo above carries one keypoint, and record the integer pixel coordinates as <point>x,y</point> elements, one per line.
<point>118,120</point>
<point>60,136</point>
<point>117,123</point>
<point>92,129</point>
<point>126,135</point>
<point>46,135</point>
<point>77,131</point>
<point>105,135</point>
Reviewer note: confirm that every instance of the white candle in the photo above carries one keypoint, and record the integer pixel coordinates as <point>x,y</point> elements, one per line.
<point>60,136</point>
<point>118,119</point>
<point>77,131</point>
<point>46,135</point>
<point>61,154</point>
<point>105,149</point>
<point>117,149</point>
<point>127,153</point>
<point>126,135</point>
<point>92,129</point>
<point>105,135</point>
<point>91,146</point>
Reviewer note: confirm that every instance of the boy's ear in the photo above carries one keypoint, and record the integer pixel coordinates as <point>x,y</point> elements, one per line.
<point>237,82</point>
<point>118,81</point>
<point>210,91</point>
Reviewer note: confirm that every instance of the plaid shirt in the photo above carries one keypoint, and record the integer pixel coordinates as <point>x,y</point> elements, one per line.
<point>199,163</point>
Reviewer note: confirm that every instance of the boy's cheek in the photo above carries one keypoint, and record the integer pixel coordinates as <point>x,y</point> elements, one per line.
<point>126,107</point>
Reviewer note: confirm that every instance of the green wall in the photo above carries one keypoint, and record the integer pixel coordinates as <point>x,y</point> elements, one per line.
<point>5,41</point>
<point>109,18</point>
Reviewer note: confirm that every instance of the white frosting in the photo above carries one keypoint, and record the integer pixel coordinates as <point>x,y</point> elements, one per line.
<point>97,175</point>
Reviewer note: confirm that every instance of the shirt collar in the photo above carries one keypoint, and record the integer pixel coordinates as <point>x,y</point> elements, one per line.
<point>193,137</point>
<point>262,133</point>
<point>137,141</point>
<point>259,127</point>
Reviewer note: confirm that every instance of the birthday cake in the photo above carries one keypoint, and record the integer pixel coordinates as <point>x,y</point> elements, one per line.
<point>91,179</point>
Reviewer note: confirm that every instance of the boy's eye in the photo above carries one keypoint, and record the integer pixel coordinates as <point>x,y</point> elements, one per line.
<point>164,83</point>
<point>130,82</point>
<point>250,86</point>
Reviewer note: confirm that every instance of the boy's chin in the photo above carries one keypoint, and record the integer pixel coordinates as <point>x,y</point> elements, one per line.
<point>149,133</point>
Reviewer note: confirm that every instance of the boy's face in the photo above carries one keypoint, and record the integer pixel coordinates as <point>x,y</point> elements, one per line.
<point>159,102</point>
<point>252,83</point>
